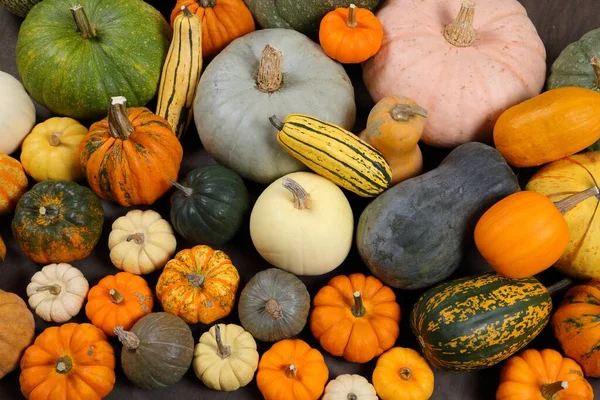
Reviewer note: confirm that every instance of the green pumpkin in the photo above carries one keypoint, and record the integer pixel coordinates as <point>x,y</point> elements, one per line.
<point>303,16</point>
<point>58,222</point>
<point>73,68</point>
<point>210,205</point>
<point>19,7</point>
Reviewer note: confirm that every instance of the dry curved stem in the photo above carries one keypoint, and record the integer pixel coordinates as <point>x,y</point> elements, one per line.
<point>184,189</point>
<point>301,196</point>
<point>116,297</point>
<point>358,309</point>
<point>460,32</point>
<point>223,351</point>
<point>403,112</point>
<point>52,289</point>
<point>119,125</point>
<point>550,390</point>
<point>138,238</point>
<point>570,202</point>
<point>129,339</point>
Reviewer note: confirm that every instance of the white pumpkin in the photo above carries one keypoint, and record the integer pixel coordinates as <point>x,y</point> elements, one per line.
<point>349,387</point>
<point>17,113</point>
<point>225,358</point>
<point>141,242</point>
<point>302,223</point>
<point>57,292</point>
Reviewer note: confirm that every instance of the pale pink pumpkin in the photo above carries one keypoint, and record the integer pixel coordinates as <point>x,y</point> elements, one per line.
<point>465,64</point>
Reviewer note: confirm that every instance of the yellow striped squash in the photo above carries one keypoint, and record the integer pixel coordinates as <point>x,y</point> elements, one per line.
<point>334,153</point>
<point>181,72</point>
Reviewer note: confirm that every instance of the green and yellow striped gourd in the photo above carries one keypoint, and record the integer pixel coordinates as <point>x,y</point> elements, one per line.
<point>334,153</point>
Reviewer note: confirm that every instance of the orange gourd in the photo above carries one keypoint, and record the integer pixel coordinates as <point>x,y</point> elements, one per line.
<point>576,326</point>
<point>350,35</point>
<point>355,317</point>
<point>73,361</point>
<point>223,21</point>
<point>394,127</point>
<point>17,330</point>
<point>118,300</point>
<point>13,183</point>
<point>402,371</point>
<point>545,374</point>
<point>292,370</point>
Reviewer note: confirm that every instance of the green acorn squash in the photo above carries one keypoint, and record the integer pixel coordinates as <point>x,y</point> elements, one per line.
<point>416,233</point>
<point>73,59</point>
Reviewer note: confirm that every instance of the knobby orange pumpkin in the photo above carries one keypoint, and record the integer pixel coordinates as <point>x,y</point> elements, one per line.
<point>350,35</point>
<point>401,370</point>
<point>355,317</point>
<point>223,21</point>
<point>118,300</point>
<point>292,370</point>
<point>73,361</point>
<point>545,374</point>
<point>198,285</point>
<point>130,156</point>
<point>13,183</point>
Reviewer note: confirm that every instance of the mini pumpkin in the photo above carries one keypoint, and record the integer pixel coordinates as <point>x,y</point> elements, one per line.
<point>292,370</point>
<point>118,300</point>
<point>141,242</point>
<point>57,292</point>
<point>401,370</point>
<point>350,387</point>
<point>355,317</point>
<point>198,285</point>
<point>13,181</point>
<point>17,330</point>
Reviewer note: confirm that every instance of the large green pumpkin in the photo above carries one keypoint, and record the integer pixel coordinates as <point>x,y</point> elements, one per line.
<point>210,205</point>
<point>73,68</point>
<point>473,323</point>
<point>416,234</point>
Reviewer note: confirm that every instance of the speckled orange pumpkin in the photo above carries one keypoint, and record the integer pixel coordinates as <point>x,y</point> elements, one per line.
<point>13,183</point>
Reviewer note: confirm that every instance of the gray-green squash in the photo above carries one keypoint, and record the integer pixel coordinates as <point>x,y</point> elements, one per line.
<point>416,234</point>
<point>19,7</point>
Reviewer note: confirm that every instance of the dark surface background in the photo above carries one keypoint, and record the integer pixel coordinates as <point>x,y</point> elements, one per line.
<point>559,23</point>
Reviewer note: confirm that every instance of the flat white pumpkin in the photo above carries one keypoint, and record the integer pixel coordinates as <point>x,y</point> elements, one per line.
<point>17,113</point>
<point>141,242</point>
<point>349,387</point>
<point>225,358</point>
<point>57,292</point>
<point>302,223</point>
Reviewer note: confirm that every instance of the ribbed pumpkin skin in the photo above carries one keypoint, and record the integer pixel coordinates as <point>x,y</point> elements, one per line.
<point>58,221</point>
<point>19,7</point>
<point>13,182</point>
<point>16,332</point>
<point>474,323</point>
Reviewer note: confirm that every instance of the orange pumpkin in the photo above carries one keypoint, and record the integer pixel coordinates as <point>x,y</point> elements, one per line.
<point>73,361</point>
<point>545,374</point>
<point>223,21</point>
<point>13,183</point>
<point>350,35</point>
<point>198,285</point>
<point>2,250</point>
<point>355,317</point>
<point>292,370</point>
<point>575,326</point>
<point>404,371</point>
<point>118,300</point>
<point>130,156</point>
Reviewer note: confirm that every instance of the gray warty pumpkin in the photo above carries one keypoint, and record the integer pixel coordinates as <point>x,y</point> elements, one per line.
<point>265,73</point>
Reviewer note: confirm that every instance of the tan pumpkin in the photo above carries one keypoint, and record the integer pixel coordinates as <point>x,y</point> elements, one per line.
<point>16,330</point>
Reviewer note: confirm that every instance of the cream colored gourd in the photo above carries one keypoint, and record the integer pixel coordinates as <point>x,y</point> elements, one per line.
<point>51,150</point>
<point>302,223</point>
<point>141,242</point>
<point>225,358</point>
<point>349,387</point>
<point>57,292</point>
<point>17,113</point>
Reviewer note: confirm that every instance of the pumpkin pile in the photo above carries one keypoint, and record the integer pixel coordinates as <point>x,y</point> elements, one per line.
<point>273,106</point>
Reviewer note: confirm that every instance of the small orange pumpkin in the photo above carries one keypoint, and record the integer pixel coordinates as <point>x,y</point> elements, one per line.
<point>118,300</point>
<point>13,183</point>
<point>350,35</point>
<point>401,370</point>
<point>292,370</point>
<point>198,285</point>
<point>545,374</point>
<point>355,317</point>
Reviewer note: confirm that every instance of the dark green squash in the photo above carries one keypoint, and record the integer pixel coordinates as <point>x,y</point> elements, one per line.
<point>274,305</point>
<point>416,233</point>
<point>473,323</point>
<point>73,69</point>
<point>58,221</point>
<point>209,205</point>
<point>158,350</point>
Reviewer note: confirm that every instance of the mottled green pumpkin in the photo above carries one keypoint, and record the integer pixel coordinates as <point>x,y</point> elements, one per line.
<point>19,7</point>
<point>73,69</point>
<point>58,222</point>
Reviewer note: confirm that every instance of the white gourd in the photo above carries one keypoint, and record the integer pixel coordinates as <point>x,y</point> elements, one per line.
<point>349,387</point>
<point>17,113</point>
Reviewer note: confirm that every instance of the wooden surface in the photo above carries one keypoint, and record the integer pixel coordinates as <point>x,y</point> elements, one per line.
<point>559,22</point>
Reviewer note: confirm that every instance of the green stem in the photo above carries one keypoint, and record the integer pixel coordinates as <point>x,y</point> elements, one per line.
<point>358,309</point>
<point>84,26</point>
<point>560,285</point>
<point>119,125</point>
<point>569,202</point>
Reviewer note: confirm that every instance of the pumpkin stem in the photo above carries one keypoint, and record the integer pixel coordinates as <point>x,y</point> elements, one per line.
<point>119,125</point>
<point>115,296</point>
<point>129,339</point>
<point>49,212</point>
<point>84,26</point>
<point>351,396</point>
<point>550,390</point>
<point>276,123</point>
<point>273,309</point>
<point>301,196</point>
<point>596,65</point>
<point>270,72</point>
<point>207,3</point>
<point>63,364</point>
<point>358,309</point>
<point>568,203</point>
<point>138,238</point>
<point>186,190</point>
<point>461,33</point>
<point>224,351</point>
<point>195,279</point>
<point>403,112</point>
<point>405,373</point>
<point>560,285</point>
<point>291,371</point>
<point>52,289</point>
<point>351,22</point>
<point>187,13</point>
<point>55,139</point>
